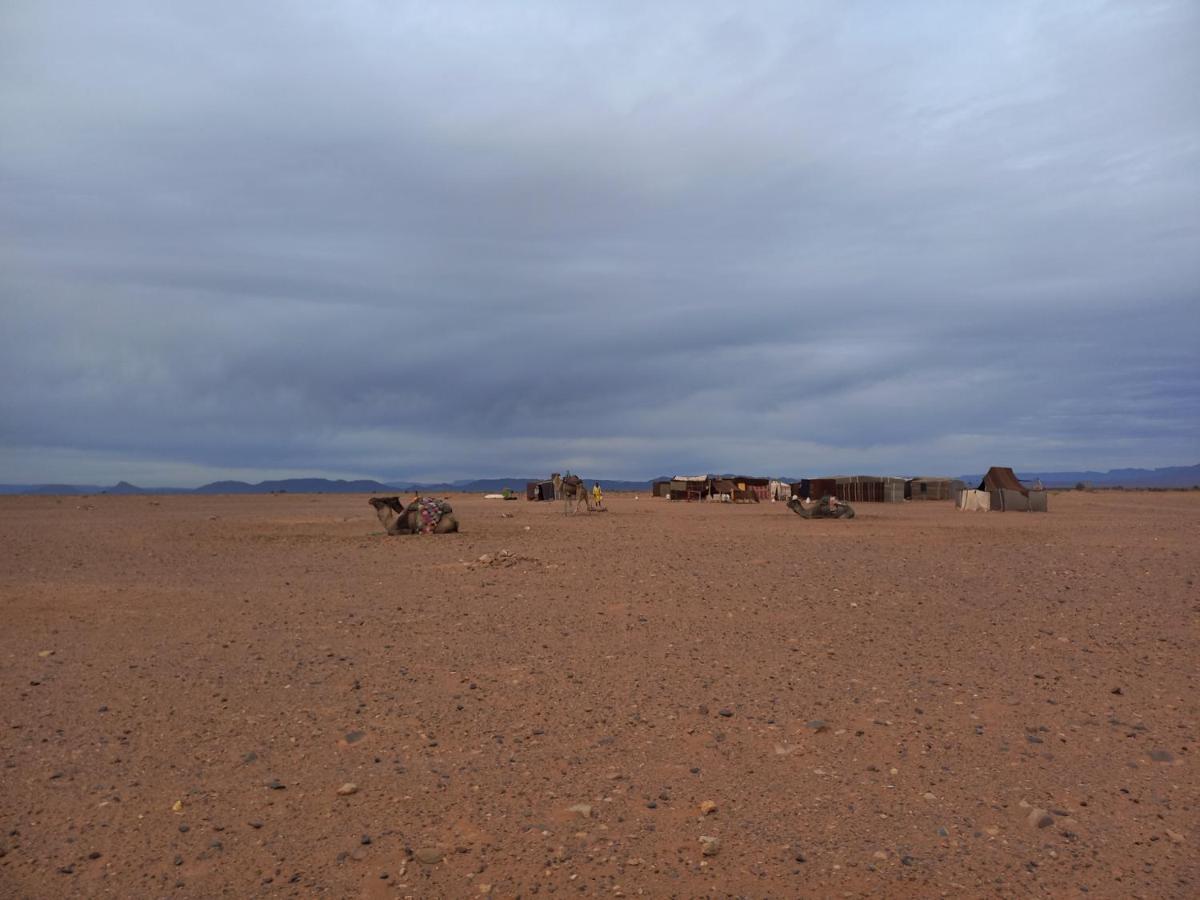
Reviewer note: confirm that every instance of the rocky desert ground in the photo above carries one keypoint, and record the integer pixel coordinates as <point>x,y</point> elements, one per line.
<point>265,696</point>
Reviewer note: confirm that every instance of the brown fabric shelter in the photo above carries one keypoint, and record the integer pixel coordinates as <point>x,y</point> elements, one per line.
<point>1000,478</point>
<point>539,490</point>
<point>822,487</point>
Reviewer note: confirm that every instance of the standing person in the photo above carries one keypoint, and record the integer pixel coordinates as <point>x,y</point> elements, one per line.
<point>598,495</point>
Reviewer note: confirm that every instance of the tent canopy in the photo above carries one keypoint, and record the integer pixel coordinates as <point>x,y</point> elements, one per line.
<point>1002,478</point>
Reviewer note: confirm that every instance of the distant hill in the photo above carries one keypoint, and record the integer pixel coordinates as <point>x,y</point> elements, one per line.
<point>495,485</point>
<point>476,486</point>
<point>287,485</point>
<point>124,487</point>
<point>58,489</point>
<point>1168,477</point>
<point>227,487</point>
<point>296,486</point>
<point>615,485</point>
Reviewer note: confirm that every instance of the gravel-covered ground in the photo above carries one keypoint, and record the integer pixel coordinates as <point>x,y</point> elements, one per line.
<point>264,695</point>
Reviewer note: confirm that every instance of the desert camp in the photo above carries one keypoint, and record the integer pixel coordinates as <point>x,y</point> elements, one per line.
<point>609,451</point>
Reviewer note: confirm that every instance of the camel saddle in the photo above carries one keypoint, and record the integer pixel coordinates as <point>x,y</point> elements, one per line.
<point>430,511</point>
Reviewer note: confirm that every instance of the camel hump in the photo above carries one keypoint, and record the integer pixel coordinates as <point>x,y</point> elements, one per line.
<point>429,503</point>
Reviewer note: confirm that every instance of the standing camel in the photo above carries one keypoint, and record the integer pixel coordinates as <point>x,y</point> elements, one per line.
<point>573,492</point>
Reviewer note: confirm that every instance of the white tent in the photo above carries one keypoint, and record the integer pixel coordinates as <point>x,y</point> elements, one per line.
<point>973,501</point>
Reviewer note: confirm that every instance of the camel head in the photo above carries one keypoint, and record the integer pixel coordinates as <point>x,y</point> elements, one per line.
<point>392,502</point>
<point>387,508</point>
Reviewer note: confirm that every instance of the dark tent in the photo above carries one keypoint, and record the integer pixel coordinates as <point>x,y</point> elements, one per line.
<point>802,488</point>
<point>539,490</point>
<point>1002,478</point>
<point>821,487</point>
<point>1009,494</point>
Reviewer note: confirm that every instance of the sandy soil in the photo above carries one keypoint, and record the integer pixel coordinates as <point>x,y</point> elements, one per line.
<point>914,703</point>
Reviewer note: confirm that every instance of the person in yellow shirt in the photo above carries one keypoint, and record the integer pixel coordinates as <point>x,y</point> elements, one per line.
<point>598,495</point>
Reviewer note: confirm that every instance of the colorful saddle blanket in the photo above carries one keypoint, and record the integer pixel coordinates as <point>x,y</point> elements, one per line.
<point>430,511</point>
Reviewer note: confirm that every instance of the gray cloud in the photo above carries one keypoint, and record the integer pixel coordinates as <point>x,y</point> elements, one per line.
<point>434,240</point>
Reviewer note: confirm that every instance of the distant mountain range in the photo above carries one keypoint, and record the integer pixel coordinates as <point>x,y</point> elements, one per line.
<point>1171,476</point>
<point>307,486</point>
<point>295,486</point>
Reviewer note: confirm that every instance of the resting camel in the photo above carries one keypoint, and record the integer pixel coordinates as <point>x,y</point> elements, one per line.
<point>398,518</point>
<point>825,508</point>
<point>572,490</point>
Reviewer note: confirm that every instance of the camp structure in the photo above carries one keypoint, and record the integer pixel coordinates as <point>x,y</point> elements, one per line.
<point>854,488</point>
<point>999,478</point>
<point>722,490</point>
<point>740,489</point>
<point>1008,494</point>
<point>815,488</point>
<point>973,501</point>
<point>539,490</point>
<point>751,489</point>
<point>804,489</point>
<point>661,488</point>
<point>691,487</point>
<point>872,489</point>
<point>932,488</point>
<point>780,490</point>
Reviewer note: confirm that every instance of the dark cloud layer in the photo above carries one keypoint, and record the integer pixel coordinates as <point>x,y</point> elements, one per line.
<point>437,240</point>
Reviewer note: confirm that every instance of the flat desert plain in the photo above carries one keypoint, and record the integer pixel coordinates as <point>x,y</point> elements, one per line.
<point>264,695</point>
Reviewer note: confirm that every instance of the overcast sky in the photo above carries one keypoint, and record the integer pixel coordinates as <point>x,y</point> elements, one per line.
<point>427,241</point>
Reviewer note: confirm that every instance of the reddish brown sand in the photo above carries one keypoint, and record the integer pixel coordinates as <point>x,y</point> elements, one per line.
<point>876,707</point>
